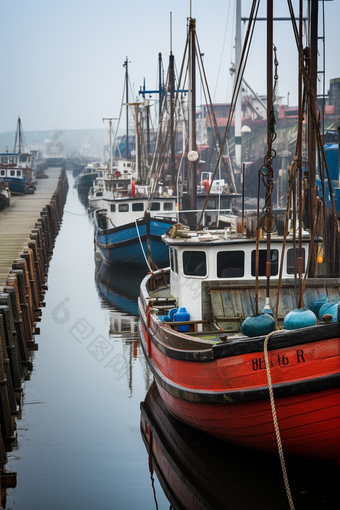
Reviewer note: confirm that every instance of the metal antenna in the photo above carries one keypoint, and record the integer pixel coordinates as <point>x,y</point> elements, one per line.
<point>170,33</point>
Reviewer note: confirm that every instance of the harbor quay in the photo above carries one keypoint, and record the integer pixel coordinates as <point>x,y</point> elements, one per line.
<point>28,228</point>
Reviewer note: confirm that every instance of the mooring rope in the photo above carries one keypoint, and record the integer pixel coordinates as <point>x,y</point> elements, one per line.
<point>276,425</point>
<point>141,245</point>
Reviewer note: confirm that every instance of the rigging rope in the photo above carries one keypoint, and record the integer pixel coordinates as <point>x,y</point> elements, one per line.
<point>236,91</point>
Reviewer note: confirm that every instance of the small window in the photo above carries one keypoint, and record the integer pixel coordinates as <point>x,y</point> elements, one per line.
<point>138,207</point>
<point>123,207</point>
<point>230,264</point>
<point>23,159</point>
<point>274,260</point>
<point>100,194</point>
<point>194,263</point>
<point>18,173</point>
<point>290,260</point>
<point>12,173</point>
<point>5,160</point>
<point>129,165</point>
<point>113,207</point>
<point>2,172</point>
<point>168,206</point>
<point>155,206</point>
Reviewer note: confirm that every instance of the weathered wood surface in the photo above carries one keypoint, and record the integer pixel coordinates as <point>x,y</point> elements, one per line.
<point>17,220</point>
<point>223,299</point>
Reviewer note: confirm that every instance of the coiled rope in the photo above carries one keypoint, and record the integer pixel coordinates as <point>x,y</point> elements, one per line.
<point>276,425</point>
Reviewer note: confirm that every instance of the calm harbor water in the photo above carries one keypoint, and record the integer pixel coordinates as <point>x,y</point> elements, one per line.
<point>79,442</point>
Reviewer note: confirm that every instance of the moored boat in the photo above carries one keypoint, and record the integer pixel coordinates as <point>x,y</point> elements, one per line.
<point>212,376</point>
<point>19,179</point>
<point>127,235</point>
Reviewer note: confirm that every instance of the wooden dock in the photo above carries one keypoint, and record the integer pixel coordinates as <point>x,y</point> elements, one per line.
<point>28,229</point>
<point>18,220</point>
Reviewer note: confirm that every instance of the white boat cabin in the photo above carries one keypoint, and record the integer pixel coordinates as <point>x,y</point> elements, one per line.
<point>127,209</point>
<point>17,160</point>
<point>212,257</point>
<point>11,173</point>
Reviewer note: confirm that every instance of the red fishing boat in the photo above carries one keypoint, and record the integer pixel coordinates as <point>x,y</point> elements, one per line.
<point>219,364</point>
<point>214,378</point>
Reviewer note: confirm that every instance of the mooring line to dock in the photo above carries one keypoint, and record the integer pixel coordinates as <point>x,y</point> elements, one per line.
<point>275,421</point>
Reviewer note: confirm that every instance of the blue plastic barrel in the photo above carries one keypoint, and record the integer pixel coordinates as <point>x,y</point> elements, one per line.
<point>182,315</point>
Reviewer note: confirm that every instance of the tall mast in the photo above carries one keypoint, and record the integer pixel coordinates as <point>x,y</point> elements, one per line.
<point>269,140</point>
<point>18,138</point>
<point>192,169</point>
<point>110,119</point>
<point>127,103</point>
<point>238,108</point>
<point>313,99</point>
<point>160,84</point>
<point>172,98</point>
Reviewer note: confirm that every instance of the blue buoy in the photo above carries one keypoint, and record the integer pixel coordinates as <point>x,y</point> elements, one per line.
<point>329,308</point>
<point>258,325</point>
<point>299,318</point>
<point>317,304</point>
<point>182,315</point>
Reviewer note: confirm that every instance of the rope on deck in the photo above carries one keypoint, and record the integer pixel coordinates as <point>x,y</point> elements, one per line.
<point>276,425</point>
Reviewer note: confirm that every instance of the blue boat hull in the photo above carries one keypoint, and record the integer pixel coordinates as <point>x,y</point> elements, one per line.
<point>121,246</point>
<point>19,185</point>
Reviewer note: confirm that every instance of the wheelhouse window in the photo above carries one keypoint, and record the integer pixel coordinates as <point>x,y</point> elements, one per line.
<point>194,263</point>
<point>225,203</point>
<point>173,259</point>
<point>5,160</point>
<point>113,207</point>
<point>290,260</point>
<point>155,206</point>
<point>123,207</point>
<point>18,173</point>
<point>274,261</point>
<point>12,173</point>
<point>23,159</point>
<point>230,264</point>
<point>138,207</point>
<point>168,206</point>
<point>211,203</point>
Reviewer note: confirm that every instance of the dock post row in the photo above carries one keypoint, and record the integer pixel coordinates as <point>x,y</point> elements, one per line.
<point>28,230</point>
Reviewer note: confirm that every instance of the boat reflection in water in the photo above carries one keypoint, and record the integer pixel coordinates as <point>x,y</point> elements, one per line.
<point>118,289</point>
<point>198,471</point>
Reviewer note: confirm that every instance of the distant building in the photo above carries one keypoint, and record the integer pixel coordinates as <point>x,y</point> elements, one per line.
<point>334,95</point>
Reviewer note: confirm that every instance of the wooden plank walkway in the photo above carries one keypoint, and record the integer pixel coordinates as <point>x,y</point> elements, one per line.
<point>17,220</point>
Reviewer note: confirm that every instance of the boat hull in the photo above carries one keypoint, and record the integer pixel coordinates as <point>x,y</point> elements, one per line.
<point>127,245</point>
<point>223,389</point>
<point>20,186</point>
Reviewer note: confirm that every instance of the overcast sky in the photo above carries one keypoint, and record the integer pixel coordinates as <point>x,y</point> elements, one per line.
<point>62,61</point>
